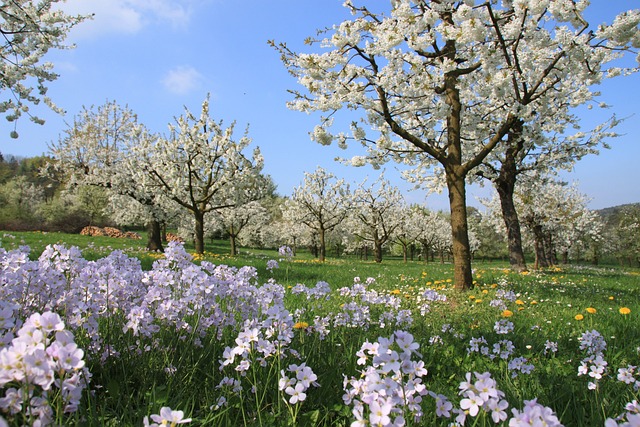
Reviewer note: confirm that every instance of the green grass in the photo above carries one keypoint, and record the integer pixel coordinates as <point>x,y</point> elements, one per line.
<point>134,385</point>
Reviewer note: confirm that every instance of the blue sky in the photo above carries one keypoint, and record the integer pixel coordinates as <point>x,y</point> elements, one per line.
<point>158,56</point>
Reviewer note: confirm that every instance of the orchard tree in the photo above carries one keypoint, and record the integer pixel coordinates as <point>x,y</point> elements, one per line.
<point>283,231</point>
<point>95,150</point>
<point>29,28</point>
<point>320,203</point>
<point>556,217</point>
<point>409,229</point>
<point>441,83</point>
<point>199,166</point>
<point>543,148</point>
<point>376,213</point>
<point>435,231</point>
<point>233,220</point>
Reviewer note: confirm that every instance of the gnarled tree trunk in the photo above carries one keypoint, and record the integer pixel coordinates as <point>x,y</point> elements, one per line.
<point>154,236</point>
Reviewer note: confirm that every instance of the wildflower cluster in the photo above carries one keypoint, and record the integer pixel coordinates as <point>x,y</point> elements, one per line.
<point>630,418</point>
<point>594,364</point>
<point>503,349</point>
<point>356,312</point>
<point>390,386</point>
<point>286,252</point>
<point>42,370</point>
<point>630,375</point>
<point>534,414</point>
<point>320,291</point>
<point>481,394</point>
<point>295,387</point>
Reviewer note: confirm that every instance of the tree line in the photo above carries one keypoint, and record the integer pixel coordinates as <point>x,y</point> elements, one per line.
<point>327,215</point>
<point>458,91</point>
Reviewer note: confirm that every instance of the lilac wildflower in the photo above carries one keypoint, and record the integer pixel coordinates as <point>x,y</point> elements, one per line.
<point>272,264</point>
<point>503,326</point>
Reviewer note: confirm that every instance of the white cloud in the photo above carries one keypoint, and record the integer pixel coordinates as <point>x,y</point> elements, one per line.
<point>182,80</point>
<point>127,16</point>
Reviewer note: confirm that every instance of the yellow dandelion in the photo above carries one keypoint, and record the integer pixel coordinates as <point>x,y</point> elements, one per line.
<point>485,291</point>
<point>478,301</point>
<point>507,313</point>
<point>494,285</point>
<point>579,317</point>
<point>472,297</point>
<point>301,325</point>
<point>624,310</point>
<point>520,308</point>
<point>611,298</point>
<point>591,310</point>
<point>395,292</point>
<point>519,302</point>
<point>534,302</point>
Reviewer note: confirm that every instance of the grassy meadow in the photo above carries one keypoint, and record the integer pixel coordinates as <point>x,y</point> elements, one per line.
<point>283,345</point>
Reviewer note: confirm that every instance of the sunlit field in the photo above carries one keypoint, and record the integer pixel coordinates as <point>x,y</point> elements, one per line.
<point>97,331</point>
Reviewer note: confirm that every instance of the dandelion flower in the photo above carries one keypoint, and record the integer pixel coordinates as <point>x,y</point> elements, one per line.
<point>624,310</point>
<point>579,317</point>
<point>507,313</point>
<point>300,325</point>
<point>519,302</point>
<point>611,298</point>
<point>591,310</point>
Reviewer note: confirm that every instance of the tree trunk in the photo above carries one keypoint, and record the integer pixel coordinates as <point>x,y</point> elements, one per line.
<point>154,241</point>
<point>323,248</point>
<point>550,250</point>
<point>377,248</point>
<point>505,184</point>
<point>505,190</point>
<point>425,252</point>
<point>199,236</point>
<point>232,242</point>
<point>462,274</point>
<point>541,258</point>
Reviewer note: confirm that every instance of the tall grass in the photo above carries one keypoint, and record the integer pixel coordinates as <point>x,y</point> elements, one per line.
<point>178,367</point>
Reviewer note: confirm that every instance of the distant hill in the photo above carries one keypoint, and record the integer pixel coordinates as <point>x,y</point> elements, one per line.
<point>611,214</point>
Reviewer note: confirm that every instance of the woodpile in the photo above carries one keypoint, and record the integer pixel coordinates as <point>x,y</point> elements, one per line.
<point>174,238</point>
<point>109,232</point>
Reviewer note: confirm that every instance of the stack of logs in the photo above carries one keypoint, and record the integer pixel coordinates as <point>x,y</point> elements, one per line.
<point>109,232</point>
